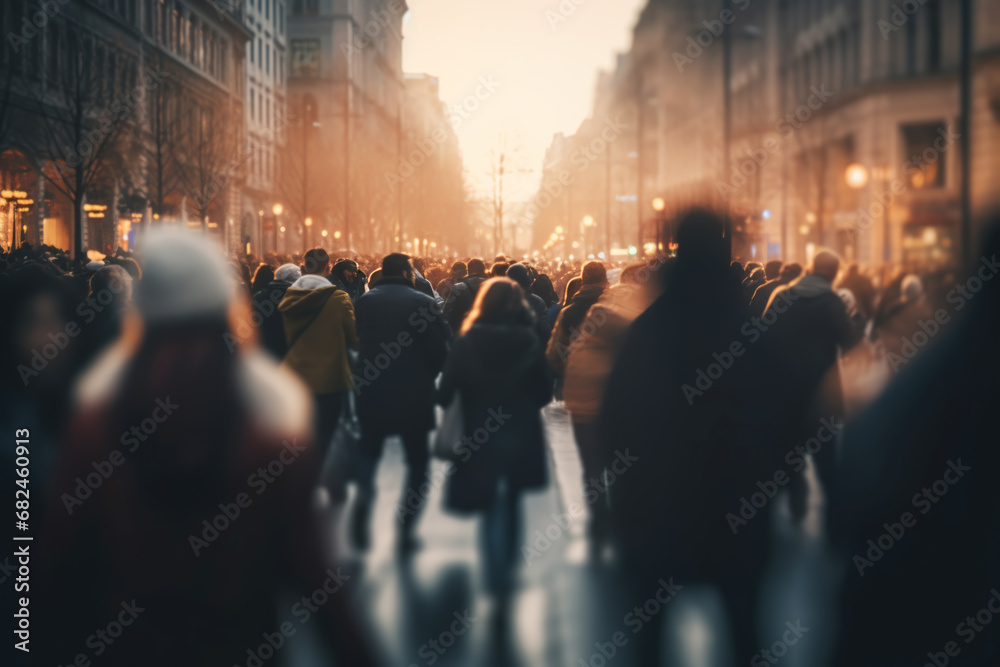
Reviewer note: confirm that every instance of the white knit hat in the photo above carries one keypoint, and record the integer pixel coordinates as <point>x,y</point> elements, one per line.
<point>184,277</point>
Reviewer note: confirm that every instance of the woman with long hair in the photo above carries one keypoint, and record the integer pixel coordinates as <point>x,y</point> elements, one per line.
<point>497,366</point>
<point>195,506</point>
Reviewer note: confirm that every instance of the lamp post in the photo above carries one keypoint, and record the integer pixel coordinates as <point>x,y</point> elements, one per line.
<point>588,224</point>
<point>659,206</point>
<point>305,232</point>
<point>277,209</point>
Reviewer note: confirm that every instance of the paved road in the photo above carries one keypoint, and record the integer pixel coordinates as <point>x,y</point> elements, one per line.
<point>430,610</point>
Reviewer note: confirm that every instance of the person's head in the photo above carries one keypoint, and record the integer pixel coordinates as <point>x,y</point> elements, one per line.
<point>542,286</point>
<point>911,289</point>
<point>499,270</point>
<point>700,241</point>
<point>825,264</point>
<point>572,287</point>
<point>113,281</point>
<point>459,270</point>
<point>288,273</point>
<point>499,301</point>
<point>374,278</point>
<point>477,267</point>
<point>772,269</point>
<point>790,272</point>
<point>751,267</point>
<point>131,266</point>
<point>757,276</point>
<point>346,270</point>
<point>316,262</point>
<point>520,274</point>
<point>262,277</point>
<point>397,265</point>
<point>593,273</point>
<point>184,281</point>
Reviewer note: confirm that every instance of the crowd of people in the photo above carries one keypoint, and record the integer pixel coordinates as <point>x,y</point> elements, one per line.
<point>718,377</point>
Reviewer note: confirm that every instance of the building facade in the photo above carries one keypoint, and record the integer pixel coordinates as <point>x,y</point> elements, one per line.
<point>844,124</point>
<point>345,99</point>
<point>120,111</point>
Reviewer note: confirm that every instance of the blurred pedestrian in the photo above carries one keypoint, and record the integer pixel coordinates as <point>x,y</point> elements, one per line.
<point>498,368</point>
<point>404,340</point>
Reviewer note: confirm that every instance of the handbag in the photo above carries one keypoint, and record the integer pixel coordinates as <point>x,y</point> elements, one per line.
<point>345,450</point>
<point>450,431</point>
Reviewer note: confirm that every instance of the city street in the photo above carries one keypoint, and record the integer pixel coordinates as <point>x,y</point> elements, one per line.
<point>564,603</point>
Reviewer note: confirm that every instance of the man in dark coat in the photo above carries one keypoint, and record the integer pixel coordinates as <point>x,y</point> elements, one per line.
<point>695,447</point>
<point>403,345</point>
<point>265,304</point>
<point>594,281</point>
<point>519,273</point>
<point>458,271</point>
<point>806,328</point>
<point>463,295</point>
<point>914,508</point>
<point>786,274</point>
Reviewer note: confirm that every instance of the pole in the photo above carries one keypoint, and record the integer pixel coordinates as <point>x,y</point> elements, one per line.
<point>305,174</point>
<point>347,162</point>
<point>965,127</point>
<point>607,203</point>
<point>640,133</point>
<point>399,161</point>
<point>727,66</point>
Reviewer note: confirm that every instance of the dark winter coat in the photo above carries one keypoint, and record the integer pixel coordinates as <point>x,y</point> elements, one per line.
<point>403,344</point>
<point>926,448</point>
<point>501,374</point>
<point>568,324</point>
<point>694,448</point>
<point>268,321</point>
<point>460,301</point>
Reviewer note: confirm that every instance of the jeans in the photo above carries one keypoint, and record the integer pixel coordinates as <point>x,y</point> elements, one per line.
<point>417,459</point>
<point>499,533</point>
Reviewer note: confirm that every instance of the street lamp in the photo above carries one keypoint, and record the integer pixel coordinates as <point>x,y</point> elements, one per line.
<point>305,232</point>
<point>856,176</point>
<point>659,206</point>
<point>277,209</point>
<point>588,224</point>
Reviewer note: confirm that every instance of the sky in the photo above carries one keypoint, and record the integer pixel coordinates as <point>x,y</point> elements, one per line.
<point>525,69</point>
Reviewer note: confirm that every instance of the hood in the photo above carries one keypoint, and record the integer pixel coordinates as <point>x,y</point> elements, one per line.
<point>301,306</point>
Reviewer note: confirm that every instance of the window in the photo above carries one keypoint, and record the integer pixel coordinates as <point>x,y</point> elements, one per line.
<point>305,7</point>
<point>305,58</point>
<point>267,57</point>
<point>267,9</point>
<point>252,95</point>
<point>251,51</point>
<point>924,165</point>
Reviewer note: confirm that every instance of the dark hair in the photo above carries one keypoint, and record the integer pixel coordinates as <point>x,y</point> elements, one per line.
<point>316,261</point>
<point>477,267</point>
<point>594,273</point>
<point>499,301</point>
<point>772,269</point>
<point>499,269</point>
<point>262,277</point>
<point>542,287</point>
<point>113,279</point>
<point>396,265</point>
<point>459,269</point>
<point>572,287</point>
<point>791,271</point>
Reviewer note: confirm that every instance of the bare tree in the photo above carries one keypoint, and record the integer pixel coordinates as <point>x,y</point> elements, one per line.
<point>209,157</point>
<point>80,126</point>
<point>164,136</point>
<point>505,159</point>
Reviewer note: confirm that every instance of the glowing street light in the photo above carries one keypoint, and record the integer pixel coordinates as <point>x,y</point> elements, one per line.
<point>856,176</point>
<point>659,205</point>
<point>588,221</point>
<point>278,209</point>
<point>324,233</point>
<point>309,222</point>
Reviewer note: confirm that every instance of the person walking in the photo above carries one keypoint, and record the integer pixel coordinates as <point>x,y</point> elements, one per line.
<point>463,295</point>
<point>320,328</point>
<point>497,366</point>
<point>404,341</point>
<point>146,547</point>
<point>265,304</point>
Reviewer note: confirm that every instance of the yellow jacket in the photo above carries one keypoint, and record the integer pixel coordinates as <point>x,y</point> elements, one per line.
<point>319,327</point>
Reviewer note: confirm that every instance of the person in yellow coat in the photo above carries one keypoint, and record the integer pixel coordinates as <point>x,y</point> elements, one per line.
<point>319,329</point>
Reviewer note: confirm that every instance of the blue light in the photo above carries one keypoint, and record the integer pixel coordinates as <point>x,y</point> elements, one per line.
<point>766,214</point>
